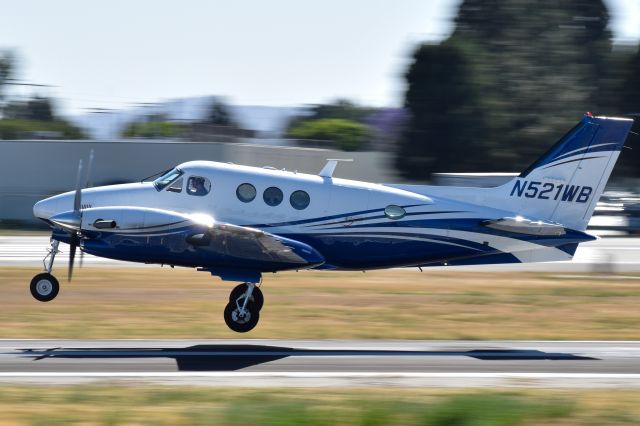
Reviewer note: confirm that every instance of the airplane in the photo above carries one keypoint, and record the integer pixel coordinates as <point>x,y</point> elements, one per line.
<point>239,222</point>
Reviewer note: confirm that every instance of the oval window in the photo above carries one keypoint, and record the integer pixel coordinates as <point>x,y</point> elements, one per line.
<point>272,196</point>
<point>394,212</point>
<point>246,192</point>
<point>299,200</point>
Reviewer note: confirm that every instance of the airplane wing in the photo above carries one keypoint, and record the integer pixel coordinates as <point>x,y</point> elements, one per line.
<point>256,245</point>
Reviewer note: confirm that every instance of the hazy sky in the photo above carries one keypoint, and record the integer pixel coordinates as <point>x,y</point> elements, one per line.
<point>277,52</point>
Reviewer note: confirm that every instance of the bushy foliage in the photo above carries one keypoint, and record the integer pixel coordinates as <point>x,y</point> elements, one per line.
<point>512,78</point>
<point>34,129</point>
<point>344,134</point>
<point>153,129</point>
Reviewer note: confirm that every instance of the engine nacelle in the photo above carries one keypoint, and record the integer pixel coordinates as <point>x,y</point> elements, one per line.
<point>131,220</point>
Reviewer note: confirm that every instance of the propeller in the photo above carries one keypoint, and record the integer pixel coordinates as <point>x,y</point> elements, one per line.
<point>77,213</point>
<point>71,221</point>
<point>87,184</point>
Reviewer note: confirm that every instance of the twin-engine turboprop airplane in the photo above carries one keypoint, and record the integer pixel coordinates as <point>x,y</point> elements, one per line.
<point>239,222</point>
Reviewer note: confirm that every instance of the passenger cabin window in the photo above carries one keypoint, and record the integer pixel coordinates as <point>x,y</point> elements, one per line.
<point>272,196</point>
<point>198,185</point>
<point>299,200</point>
<point>246,192</point>
<point>176,186</point>
<point>166,179</point>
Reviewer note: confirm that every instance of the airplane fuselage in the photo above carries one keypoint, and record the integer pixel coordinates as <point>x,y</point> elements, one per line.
<point>348,224</point>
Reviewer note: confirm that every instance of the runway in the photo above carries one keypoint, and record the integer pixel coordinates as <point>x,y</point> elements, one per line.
<point>604,255</point>
<point>324,363</point>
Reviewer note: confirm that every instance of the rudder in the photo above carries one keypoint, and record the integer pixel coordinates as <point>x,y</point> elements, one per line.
<point>565,183</point>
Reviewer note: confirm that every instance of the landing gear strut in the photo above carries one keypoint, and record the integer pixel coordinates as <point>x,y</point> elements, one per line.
<point>44,286</point>
<point>242,313</point>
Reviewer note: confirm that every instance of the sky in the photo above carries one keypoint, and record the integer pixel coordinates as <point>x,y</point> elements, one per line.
<point>119,53</point>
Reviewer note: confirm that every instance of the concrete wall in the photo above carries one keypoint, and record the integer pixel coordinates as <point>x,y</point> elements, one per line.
<point>32,170</point>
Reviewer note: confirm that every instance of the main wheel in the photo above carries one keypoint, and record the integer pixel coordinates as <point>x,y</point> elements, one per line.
<point>241,323</point>
<point>257,299</point>
<point>44,287</point>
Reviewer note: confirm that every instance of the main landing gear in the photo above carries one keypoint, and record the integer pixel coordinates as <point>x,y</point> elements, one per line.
<point>44,286</point>
<point>242,313</point>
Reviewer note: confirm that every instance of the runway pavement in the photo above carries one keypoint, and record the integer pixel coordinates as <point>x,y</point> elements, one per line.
<point>324,363</point>
<point>604,255</point>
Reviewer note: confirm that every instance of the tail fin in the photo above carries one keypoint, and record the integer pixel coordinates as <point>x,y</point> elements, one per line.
<point>565,184</point>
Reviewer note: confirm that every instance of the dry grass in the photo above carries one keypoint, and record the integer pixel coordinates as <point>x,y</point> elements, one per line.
<point>150,303</point>
<point>146,405</point>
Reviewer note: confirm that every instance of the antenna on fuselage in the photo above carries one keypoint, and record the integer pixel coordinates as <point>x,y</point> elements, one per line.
<point>330,167</point>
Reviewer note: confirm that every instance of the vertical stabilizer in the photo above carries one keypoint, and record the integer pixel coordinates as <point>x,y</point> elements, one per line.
<point>565,184</point>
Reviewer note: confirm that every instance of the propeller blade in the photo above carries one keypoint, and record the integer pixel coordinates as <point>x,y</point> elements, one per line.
<point>77,201</point>
<point>75,239</point>
<point>87,183</point>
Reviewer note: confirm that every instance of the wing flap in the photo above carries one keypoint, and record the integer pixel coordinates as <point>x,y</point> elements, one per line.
<point>256,245</point>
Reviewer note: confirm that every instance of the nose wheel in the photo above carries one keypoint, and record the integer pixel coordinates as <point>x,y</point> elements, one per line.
<point>44,287</point>
<point>242,313</point>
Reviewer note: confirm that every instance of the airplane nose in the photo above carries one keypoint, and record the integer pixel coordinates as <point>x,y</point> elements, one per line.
<point>44,209</point>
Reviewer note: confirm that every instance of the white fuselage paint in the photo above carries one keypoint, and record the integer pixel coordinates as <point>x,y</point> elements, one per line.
<point>329,197</point>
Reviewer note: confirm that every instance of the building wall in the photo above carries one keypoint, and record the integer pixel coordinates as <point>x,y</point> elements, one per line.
<point>32,170</point>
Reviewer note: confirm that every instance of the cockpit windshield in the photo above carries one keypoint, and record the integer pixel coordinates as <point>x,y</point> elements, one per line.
<point>167,179</point>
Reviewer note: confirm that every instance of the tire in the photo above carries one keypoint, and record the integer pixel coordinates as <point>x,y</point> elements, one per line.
<point>241,325</point>
<point>44,287</point>
<point>257,298</point>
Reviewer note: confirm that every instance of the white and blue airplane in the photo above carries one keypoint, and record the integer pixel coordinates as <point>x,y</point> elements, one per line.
<point>238,222</point>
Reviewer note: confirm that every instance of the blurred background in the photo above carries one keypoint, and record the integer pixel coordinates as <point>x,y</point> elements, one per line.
<point>446,91</point>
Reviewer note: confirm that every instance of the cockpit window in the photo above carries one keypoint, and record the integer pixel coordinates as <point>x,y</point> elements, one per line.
<point>198,185</point>
<point>166,179</point>
<point>176,186</point>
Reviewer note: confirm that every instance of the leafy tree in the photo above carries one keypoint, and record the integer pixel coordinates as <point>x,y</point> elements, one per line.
<point>446,113</point>
<point>219,115</point>
<point>344,134</point>
<point>40,108</point>
<point>520,73</point>
<point>341,108</point>
<point>28,129</point>
<point>6,71</point>
<point>628,97</point>
<point>153,129</point>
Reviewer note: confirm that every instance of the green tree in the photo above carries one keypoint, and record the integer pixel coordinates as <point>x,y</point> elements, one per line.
<point>39,108</point>
<point>152,129</point>
<point>7,65</point>
<point>344,134</point>
<point>340,108</point>
<point>446,113</point>
<point>628,97</point>
<point>219,115</point>
<point>520,74</point>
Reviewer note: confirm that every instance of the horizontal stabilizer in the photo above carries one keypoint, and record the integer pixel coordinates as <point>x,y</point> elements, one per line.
<point>520,225</point>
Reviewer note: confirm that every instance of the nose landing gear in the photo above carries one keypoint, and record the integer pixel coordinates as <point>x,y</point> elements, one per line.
<point>44,286</point>
<point>242,313</point>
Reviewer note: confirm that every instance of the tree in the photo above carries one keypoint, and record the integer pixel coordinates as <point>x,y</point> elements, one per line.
<point>152,129</point>
<point>344,134</point>
<point>445,113</point>
<point>340,108</point>
<point>512,76</point>
<point>39,108</point>
<point>629,104</point>
<point>219,115</point>
<point>6,72</point>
